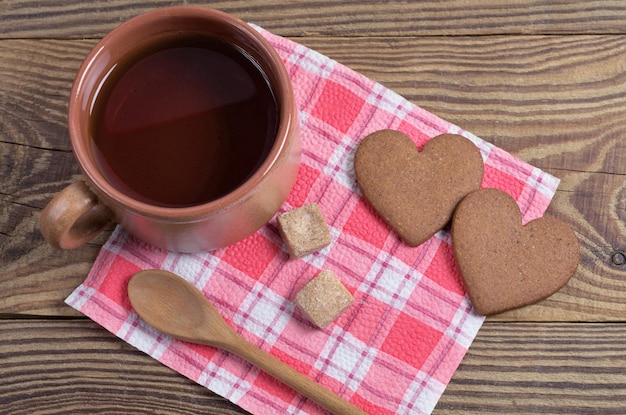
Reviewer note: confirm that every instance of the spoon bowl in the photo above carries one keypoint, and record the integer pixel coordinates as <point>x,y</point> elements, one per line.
<point>173,306</point>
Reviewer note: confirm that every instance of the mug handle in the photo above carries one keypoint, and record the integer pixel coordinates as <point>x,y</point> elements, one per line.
<point>74,217</point>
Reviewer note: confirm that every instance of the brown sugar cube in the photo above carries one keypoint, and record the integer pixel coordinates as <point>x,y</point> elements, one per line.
<point>323,299</point>
<point>304,230</point>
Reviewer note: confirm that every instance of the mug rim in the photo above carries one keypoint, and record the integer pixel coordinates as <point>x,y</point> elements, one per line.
<point>282,90</point>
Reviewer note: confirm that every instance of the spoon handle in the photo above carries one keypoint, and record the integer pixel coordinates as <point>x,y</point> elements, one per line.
<point>291,377</point>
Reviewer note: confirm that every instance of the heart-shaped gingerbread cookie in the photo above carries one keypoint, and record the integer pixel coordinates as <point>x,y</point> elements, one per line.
<point>505,265</point>
<point>414,192</point>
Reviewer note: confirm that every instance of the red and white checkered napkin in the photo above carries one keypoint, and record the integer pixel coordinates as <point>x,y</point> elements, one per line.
<point>395,350</point>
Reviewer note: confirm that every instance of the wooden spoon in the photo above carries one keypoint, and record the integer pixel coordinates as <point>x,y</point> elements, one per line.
<point>172,305</point>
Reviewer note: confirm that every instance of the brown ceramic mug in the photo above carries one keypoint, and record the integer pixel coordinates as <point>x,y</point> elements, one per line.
<point>148,160</point>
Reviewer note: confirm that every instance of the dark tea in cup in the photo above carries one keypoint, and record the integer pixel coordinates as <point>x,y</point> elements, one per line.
<point>183,122</point>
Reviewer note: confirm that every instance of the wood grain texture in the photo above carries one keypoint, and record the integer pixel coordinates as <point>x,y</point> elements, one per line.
<point>512,369</point>
<point>545,80</point>
<point>74,366</point>
<point>542,98</point>
<point>541,368</point>
<point>36,162</point>
<point>355,18</point>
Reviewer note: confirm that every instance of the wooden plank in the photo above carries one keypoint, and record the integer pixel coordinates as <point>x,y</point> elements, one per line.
<point>77,19</point>
<point>76,366</point>
<point>554,101</point>
<point>35,82</point>
<point>541,368</point>
<point>535,100</point>
<point>36,162</point>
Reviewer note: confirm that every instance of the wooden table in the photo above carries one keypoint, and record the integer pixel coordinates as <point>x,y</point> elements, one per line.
<point>544,80</point>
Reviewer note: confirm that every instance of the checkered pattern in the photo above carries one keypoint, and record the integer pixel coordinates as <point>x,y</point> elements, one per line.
<point>395,350</point>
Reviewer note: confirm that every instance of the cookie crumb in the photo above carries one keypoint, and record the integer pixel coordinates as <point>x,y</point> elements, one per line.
<point>304,230</point>
<point>323,299</point>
